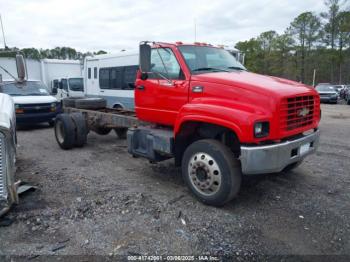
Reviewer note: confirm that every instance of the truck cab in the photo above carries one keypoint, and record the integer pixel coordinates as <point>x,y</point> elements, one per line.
<point>219,120</point>
<point>63,87</point>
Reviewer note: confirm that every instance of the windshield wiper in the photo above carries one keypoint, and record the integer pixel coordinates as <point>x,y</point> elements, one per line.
<point>209,69</point>
<point>236,67</point>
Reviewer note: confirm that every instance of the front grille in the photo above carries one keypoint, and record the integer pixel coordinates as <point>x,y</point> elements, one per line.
<point>36,108</point>
<point>297,112</point>
<point>3,191</point>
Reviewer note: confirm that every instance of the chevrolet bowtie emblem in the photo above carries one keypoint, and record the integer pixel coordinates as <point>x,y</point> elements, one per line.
<point>303,112</point>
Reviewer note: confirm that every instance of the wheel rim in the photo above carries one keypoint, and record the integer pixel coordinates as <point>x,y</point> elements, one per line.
<point>204,174</point>
<point>59,131</point>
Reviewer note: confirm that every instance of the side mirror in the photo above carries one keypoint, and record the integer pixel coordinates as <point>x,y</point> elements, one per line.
<point>144,76</point>
<point>21,67</point>
<point>145,57</point>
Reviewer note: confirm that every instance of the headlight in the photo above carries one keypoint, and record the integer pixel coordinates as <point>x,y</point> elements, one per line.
<point>53,107</point>
<point>261,129</point>
<point>16,106</point>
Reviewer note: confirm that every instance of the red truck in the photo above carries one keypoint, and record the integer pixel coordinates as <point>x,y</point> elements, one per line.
<point>197,104</point>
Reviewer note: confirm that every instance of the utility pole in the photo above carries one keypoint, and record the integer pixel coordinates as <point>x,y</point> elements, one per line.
<point>3,33</point>
<point>314,78</point>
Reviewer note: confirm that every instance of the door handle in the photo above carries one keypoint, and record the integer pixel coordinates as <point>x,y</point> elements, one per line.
<point>197,89</point>
<point>102,91</point>
<point>140,87</point>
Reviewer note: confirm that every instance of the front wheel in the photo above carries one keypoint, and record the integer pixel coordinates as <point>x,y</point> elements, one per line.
<point>211,171</point>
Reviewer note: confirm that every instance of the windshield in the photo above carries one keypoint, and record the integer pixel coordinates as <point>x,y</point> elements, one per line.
<point>325,88</point>
<point>201,59</point>
<point>28,88</point>
<point>76,84</point>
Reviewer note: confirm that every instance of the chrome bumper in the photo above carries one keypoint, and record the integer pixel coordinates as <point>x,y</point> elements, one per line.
<point>274,158</point>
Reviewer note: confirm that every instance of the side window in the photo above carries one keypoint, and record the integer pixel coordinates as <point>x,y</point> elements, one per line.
<point>95,72</point>
<point>55,83</point>
<point>64,84</point>
<point>116,78</point>
<point>129,77</point>
<point>89,73</point>
<point>104,78</point>
<point>164,61</point>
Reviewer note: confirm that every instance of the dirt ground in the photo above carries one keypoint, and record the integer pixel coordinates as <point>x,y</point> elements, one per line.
<point>98,200</point>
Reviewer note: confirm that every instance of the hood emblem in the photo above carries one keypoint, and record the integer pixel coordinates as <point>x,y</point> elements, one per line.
<point>303,112</point>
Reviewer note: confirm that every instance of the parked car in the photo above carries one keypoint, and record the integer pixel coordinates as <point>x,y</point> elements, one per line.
<point>327,93</point>
<point>339,88</point>
<point>33,103</point>
<point>8,192</point>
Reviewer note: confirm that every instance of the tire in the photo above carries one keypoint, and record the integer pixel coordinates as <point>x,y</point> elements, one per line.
<point>65,131</point>
<point>91,103</point>
<point>81,129</point>
<point>102,130</point>
<point>348,100</point>
<point>121,132</point>
<point>216,170</point>
<point>70,101</point>
<point>292,166</point>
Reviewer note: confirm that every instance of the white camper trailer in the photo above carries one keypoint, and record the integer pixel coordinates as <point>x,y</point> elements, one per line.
<point>112,77</point>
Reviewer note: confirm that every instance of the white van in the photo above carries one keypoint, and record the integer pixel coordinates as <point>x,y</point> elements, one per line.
<point>112,77</point>
<point>63,87</point>
<point>33,103</point>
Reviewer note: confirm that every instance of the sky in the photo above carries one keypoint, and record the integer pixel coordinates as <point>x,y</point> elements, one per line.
<point>113,25</point>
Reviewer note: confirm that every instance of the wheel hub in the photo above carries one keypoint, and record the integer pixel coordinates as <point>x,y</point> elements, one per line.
<point>205,174</point>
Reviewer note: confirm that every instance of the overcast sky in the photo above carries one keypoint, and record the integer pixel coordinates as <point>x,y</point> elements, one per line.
<point>112,25</point>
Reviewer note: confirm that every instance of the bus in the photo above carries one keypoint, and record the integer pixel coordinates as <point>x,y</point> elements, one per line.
<point>112,77</point>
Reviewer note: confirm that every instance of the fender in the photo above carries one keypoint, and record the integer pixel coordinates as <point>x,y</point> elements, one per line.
<point>239,120</point>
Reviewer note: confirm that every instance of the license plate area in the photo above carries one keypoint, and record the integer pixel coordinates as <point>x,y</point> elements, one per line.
<point>304,148</point>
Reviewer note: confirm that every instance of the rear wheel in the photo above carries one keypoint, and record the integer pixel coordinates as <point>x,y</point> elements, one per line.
<point>91,103</point>
<point>211,171</point>
<point>65,131</point>
<point>81,129</point>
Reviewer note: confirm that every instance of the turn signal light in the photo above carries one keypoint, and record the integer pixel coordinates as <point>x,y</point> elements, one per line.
<point>19,111</point>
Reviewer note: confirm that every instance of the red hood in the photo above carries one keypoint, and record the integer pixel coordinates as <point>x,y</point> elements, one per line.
<point>255,82</point>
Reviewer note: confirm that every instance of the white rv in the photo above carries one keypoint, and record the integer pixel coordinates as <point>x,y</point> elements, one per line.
<point>112,77</point>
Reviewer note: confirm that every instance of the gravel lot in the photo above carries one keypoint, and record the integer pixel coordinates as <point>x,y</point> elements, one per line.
<point>99,200</point>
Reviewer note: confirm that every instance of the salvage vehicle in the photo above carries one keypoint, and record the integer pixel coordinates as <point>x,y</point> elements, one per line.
<point>8,191</point>
<point>63,87</point>
<point>327,94</point>
<point>197,104</point>
<point>112,77</point>
<point>32,101</point>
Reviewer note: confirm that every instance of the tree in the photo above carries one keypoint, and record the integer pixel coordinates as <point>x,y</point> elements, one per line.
<point>331,29</point>
<point>306,31</point>
<point>266,40</point>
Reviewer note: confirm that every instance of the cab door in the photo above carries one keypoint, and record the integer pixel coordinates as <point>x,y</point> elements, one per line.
<point>64,88</point>
<point>160,97</point>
